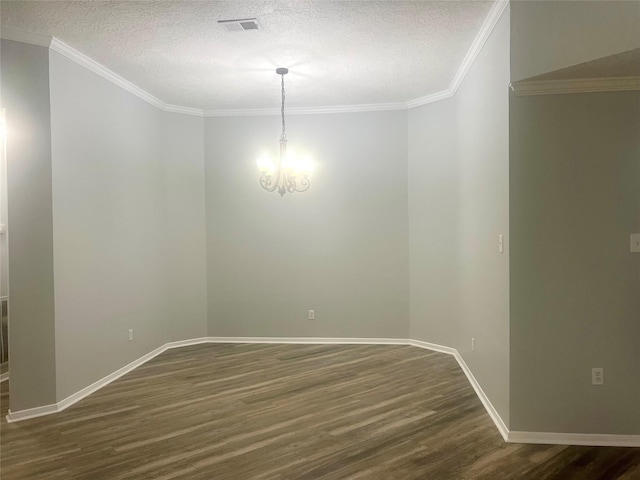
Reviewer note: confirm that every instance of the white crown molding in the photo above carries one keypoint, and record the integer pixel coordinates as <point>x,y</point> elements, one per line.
<point>586,439</point>
<point>16,35</point>
<point>104,72</point>
<point>380,107</point>
<point>485,31</point>
<point>434,97</point>
<point>99,69</point>
<point>576,85</point>
<point>481,38</point>
<point>80,58</point>
<point>194,112</point>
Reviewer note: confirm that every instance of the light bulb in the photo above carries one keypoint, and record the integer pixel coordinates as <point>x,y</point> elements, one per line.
<point>305,166</point>
<point>265,165</point>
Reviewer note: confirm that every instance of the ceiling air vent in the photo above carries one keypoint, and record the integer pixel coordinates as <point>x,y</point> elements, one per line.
<point>240,24</point>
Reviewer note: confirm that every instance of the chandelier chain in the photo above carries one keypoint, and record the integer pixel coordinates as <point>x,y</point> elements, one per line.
<point>283,136</point>
<point>287,175</point>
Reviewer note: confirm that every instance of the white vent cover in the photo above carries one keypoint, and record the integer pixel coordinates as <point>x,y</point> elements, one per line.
<point>240,24</point>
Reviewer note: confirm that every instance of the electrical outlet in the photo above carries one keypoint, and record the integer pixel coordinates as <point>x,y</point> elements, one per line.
<point>501,243</point>
<point>130,334</point>
<point>312,314</point>
<point>597,376</point>
<point>473,344</point>
<point>635,242</point>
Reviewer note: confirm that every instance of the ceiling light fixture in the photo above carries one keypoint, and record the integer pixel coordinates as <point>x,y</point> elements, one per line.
<point>289,174</point>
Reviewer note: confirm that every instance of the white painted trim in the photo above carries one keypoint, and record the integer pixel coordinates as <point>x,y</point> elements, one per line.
<point>587,439</point>
<point>380,107</point>
<point>195,112</point>
<point>16,35</point>
<point>576,85</point>
<point>493,413</point>
<point>79,395</point>
<point>186,343</point>
<point>513,437</point>
<point>76,397</point>
<point>4,377</point>
<point>32,413</point>
<point>433,346</point>
<point>311,340</point>
<point>99,69</point>
<point>481,38</point>
<point>80,58</point>
<point>434,97</point>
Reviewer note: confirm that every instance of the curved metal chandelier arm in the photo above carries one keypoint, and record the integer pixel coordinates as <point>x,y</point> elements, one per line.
<point>304,185</point>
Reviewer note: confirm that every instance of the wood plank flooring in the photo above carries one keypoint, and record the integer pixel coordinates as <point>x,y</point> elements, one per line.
<point>240,411</point>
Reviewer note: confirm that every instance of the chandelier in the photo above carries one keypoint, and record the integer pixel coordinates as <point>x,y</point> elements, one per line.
<point>289,173</point>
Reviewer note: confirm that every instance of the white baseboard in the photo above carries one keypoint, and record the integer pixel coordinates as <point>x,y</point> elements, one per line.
<point>76,397</point>
<point>493,413</point>
<point>94,387</point>
<point>32,413</point>
<point>86,391</point>
<point>513,437</point>
<point>587,439</point>
<point>186,343</point>
<point>433,346</point>
<point>311,340</point>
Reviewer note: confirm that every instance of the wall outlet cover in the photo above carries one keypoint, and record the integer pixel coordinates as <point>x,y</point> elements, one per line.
<point>597,376</point>
<point>635,242</point>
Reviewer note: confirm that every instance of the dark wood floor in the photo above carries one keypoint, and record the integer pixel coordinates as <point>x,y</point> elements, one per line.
<point>237,411</point>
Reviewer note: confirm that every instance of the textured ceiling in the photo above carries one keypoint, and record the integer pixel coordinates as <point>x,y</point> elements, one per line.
<point>338,52</point>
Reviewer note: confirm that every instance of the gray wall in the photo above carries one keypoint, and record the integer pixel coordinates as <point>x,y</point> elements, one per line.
<point>340,248</point>
<point>25,96</point>
<point>547,36</point>
<point>458,205</point>
<point>182,150</point>
<point>575,287</point>
<point>128,225</point>
<point>4,214</point>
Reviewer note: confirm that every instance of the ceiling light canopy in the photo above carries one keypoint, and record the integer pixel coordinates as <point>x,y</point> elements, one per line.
<point>290,173</point>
